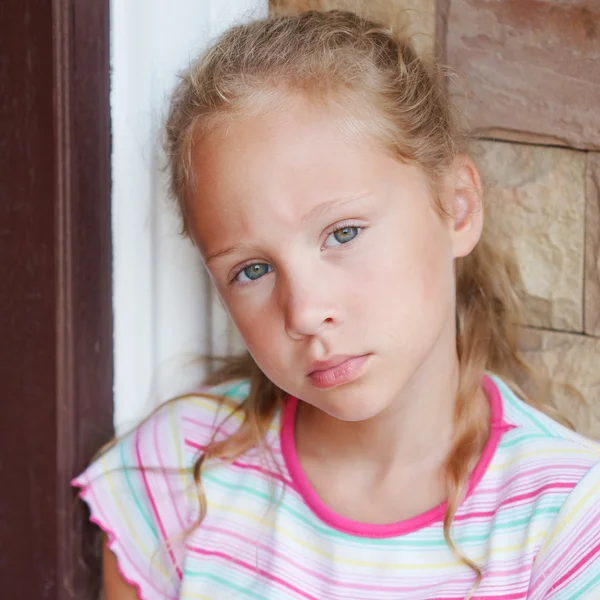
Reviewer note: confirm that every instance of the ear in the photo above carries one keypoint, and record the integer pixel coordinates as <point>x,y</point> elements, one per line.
<point>464,201</point>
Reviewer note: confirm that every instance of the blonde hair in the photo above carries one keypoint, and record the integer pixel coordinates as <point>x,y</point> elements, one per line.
<point>394,99</point>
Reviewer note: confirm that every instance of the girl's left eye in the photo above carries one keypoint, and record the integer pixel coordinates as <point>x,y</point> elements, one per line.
<point>342,236</point>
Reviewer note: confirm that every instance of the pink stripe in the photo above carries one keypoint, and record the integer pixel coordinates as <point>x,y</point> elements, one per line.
<point>566,551</point>
<point>153,504</point>
<point>321,577</point>
<point>211,428</point>
<point>537,492</point>
<point>274,449</point>
<point>516,596</point>
<point>576,567</point>
<point>524,568</point>
<point>541,467</point>
<point>465,581</point>
<point>264,472</point>
<point>197,422</point>
<point>514,499</point>
<point>249,567</point>
<point>247,466</point>
<point>162,466</point>
<point>251,544</point>
<point>101,521</point>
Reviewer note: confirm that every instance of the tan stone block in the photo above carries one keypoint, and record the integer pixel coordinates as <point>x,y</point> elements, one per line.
<point>530,70</point>
<point>573,360</point>
<point>535,205</point>
<point>413,18</point>
<point>592,246</point>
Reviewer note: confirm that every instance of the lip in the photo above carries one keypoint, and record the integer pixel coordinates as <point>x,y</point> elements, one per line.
<point>337,370</point>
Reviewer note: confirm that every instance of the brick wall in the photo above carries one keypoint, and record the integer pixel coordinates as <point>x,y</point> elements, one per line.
<point>529,91</point>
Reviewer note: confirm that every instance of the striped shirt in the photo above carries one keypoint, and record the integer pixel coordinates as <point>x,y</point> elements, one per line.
<point>530,520</point>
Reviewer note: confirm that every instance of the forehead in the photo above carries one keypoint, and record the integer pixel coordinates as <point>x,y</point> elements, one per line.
<point>278,167</point>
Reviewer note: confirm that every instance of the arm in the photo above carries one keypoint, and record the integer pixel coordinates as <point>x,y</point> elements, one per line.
<point>115,587</point>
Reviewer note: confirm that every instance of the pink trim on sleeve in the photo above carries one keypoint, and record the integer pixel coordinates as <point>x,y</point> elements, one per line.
<point>145,589</point>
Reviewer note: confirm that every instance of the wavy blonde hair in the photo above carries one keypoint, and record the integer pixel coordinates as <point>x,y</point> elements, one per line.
<point>395,98</point>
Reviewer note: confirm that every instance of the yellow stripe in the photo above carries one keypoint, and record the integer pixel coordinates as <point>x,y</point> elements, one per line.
<point>521,457</point>
<point>211,405</point>
<point>177,439</point>
<point>497,550</point>
<point>128,521</point>
<point>211,402</point>
<point>316,550</point>
<point>569,516</point>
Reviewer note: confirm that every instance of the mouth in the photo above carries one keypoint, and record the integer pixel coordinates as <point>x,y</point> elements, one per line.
<point>338,370</point>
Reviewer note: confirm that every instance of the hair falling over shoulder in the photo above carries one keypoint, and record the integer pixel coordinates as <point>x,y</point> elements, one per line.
<point>394,97</point>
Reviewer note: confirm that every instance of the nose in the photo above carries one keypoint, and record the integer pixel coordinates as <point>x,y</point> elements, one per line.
<point>309,306</point>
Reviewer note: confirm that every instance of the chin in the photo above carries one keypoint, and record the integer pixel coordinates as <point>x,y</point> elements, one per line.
<point>353,416</point>
<point>350,405</point>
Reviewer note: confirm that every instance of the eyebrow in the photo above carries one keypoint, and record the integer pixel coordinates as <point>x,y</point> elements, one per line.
<point>224,252</point>
<point>324,207</point>
<point>312,214</point>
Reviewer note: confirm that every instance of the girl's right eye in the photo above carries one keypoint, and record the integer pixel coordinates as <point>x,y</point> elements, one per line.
<point>252,272</point>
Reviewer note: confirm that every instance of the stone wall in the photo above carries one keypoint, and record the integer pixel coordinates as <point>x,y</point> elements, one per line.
<point>528,87</point>
<point>530,90</point>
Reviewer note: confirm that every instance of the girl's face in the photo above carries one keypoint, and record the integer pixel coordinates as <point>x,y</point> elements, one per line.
<point>330,258</point>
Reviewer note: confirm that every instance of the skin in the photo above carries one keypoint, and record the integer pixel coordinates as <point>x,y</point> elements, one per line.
<point>114,586</point>
<point>271,191</point>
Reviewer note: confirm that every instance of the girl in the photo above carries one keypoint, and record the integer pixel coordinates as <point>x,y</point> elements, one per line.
<point>371,444</point>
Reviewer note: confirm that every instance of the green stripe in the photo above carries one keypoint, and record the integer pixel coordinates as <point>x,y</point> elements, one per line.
<point>380,542</point>
<point>518,405</point>
<point>135,497</point>
<point>508,441</point>
<point>225,583</point>
<point>229,393</point>
<point>593,583</point>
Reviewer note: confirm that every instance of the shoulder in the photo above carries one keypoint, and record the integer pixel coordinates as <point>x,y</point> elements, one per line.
<point>529,430</point>
<point>210,414</point>
<point>141,491</point>
<point>551,474</point>
<point>190,420</point>
<point>538,460</point>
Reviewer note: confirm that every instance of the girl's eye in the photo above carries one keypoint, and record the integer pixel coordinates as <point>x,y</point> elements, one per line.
<point>253,272</point>
<point>342,236</point>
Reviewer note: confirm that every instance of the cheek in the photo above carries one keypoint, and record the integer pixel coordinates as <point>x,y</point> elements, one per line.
<point>436,274</point>
<point>413,277</point>
<point>258,327</point>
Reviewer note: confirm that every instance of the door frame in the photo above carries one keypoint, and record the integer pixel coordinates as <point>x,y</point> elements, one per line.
<point>56,300</point>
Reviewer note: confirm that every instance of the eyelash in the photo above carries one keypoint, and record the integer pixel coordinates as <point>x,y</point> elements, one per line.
<point>330,231</point>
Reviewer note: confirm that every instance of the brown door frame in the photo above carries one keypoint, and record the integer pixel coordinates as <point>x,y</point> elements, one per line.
<point>55,288</point>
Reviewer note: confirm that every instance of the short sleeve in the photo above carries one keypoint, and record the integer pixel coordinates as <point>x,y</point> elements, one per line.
<point>568,564</point>
<point>139,493</point>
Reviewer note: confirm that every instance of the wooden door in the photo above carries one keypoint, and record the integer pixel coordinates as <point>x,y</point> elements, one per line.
<point>55,287</point>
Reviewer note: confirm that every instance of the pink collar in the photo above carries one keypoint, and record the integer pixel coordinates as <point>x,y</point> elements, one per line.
<point>331,518</point>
